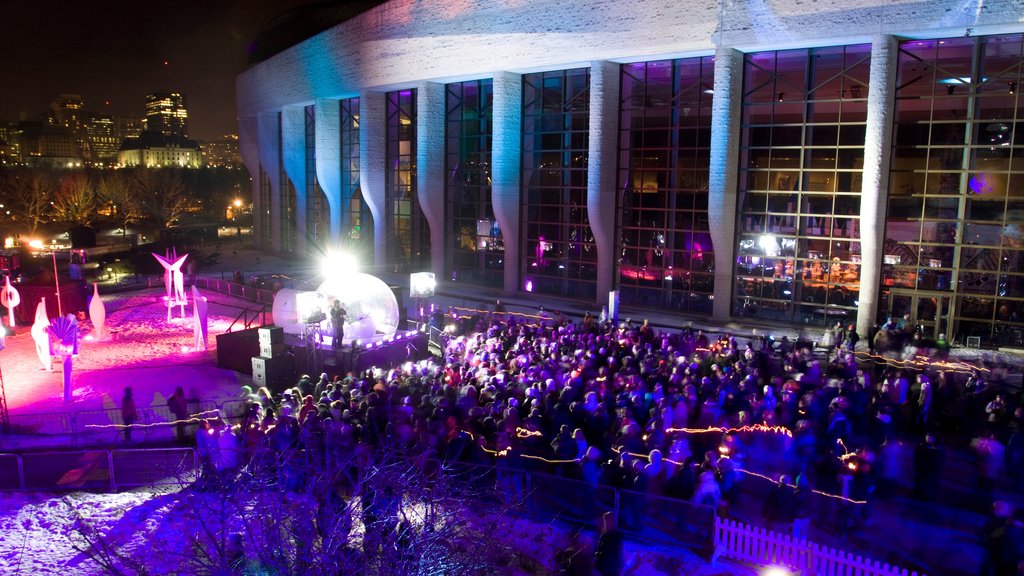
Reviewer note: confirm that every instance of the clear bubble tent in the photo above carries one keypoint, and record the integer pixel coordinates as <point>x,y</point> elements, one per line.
<point>370,306</point>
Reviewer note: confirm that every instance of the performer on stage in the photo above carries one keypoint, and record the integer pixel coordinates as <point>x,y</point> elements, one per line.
<point>338,322</point>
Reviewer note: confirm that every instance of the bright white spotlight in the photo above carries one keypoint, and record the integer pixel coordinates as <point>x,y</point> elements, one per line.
<point>769,244</point>
<point>776,571</point>
<point>338,265</point>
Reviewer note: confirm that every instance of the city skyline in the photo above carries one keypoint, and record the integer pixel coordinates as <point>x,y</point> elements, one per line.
<point>114,53</point>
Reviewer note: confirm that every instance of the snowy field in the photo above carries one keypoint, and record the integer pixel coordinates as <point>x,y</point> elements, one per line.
<point>144,352</point>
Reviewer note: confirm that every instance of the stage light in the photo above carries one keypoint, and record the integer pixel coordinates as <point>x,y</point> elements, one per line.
<point>422,285</point>
<point>776,571</point>
<point>337,265</point>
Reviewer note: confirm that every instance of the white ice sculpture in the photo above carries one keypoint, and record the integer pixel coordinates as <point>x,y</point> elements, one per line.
<point>10,298</point>
<point>200,319</point>
<point>174,281</point>
<point>98,315</point>
<point>41,336</point>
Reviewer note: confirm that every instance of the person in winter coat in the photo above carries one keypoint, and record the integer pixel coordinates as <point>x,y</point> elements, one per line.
<point>802,508</point>
<point>707,492</point>
<point>129,414</point>
<point>778,507</point>
<point>178,405</point>
<point>609,554</point>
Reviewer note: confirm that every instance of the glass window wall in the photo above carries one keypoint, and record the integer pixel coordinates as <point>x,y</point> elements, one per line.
<point>953,250</point>
<point>288,197</point>
<point>665,253</point>
<point>318,226</point>
<point>476,251</point>
<point>558,254</point>
<point>801,160</point>
<point>409,241</point>
<point>356,219</point>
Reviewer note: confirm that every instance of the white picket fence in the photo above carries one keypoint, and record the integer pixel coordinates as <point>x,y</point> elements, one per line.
<point>742,543</point>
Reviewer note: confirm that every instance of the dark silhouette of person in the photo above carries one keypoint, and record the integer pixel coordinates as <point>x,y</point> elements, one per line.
<point>338,315</point>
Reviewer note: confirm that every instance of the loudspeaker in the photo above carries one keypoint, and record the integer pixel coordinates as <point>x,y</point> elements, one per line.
<point>272,350</point>
<point>269,372</point>
<point>271,335</point>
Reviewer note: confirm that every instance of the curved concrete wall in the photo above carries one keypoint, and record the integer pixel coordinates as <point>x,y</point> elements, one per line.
<point>404,42</point>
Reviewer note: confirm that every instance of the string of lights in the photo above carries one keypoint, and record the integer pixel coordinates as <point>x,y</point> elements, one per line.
<point>752,428</point>
<point>193,419</point>
<point>922,363</point>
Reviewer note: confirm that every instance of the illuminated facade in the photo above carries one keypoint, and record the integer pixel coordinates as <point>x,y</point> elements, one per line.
<point>154,150</point>
<point>784,162</point>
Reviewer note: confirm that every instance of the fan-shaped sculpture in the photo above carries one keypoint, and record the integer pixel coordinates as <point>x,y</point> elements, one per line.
<point>64,341</point>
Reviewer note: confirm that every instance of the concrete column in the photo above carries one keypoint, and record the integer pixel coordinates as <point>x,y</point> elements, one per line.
<point>269,137</point>
<point>372,140</point>
<point>874,194</point>
<point>249,148</point>
<point>602,164</point>
<point>293,155</point>
<point>506,168</point>
<point>430,154</point>
<point>723,172</point>
<point>328,162</point>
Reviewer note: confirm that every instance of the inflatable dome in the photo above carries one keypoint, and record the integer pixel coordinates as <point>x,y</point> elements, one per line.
<point>370,306</point>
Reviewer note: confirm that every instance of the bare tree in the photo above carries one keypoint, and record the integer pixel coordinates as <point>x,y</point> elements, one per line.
<point>371,512</point>
<point>161,195</point>
<point>30,193</point>
<point>116,197</point>
<point>75,201</point>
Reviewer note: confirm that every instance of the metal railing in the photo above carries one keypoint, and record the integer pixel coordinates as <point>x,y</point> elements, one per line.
<point>106,426</point>
<point>247,321</point>
<point>103,469</point>
<point>243,291</point>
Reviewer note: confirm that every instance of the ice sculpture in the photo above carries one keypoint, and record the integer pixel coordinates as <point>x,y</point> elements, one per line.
<point>200,319</point>
<point>174,281</point>
<point>41,336</point>
<point>10,298</point>
<point>98,315</point>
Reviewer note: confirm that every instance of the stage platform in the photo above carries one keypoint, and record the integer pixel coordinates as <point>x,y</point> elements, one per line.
<point>235,351</point>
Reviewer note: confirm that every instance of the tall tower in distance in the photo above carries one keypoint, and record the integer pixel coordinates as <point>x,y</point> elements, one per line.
<point>167,114</point>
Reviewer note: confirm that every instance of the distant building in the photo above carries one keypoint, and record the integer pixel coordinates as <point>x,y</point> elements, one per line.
<point>67,111</point>
<point>156,150</point>
<point>102,142</point>
<point>223,152</point>
<point>127,127</point>
<point>10,147</point>
<point>44,145</point>
<point>167,113</point>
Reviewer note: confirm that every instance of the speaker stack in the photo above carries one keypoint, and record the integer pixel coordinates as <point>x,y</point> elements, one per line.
<point>269,368</point>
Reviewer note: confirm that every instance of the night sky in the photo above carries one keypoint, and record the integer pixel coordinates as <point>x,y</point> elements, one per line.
<point>114,52</point>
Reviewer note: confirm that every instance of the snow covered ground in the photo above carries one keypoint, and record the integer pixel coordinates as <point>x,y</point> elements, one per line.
<point>144,352</point>
<point>38,537</point>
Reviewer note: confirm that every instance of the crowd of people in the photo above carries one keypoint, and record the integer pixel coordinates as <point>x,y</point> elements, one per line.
<point>676,414</point>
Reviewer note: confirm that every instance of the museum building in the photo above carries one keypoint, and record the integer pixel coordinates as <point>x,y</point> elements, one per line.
<point>787,161</point>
